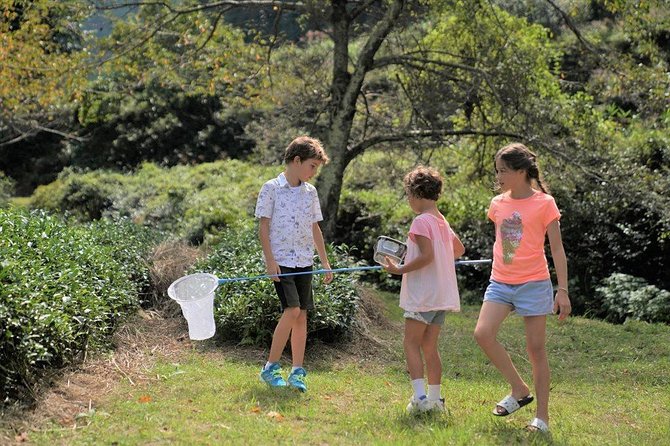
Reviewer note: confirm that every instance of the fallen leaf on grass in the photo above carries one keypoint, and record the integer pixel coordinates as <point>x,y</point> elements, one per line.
<point>21,438</point>
<point>256,409</point>
<point>144,399</point>
<point>276,415</point>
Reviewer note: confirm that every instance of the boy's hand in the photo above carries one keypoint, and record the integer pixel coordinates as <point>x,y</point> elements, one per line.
<point>327,277</point>
<point>562,305</point>
<point>391,266</point>
<point>272,268</point>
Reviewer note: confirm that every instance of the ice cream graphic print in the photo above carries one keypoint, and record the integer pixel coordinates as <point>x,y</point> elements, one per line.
<point>512,233</point>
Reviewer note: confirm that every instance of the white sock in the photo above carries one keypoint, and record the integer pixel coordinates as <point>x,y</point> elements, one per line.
<point>433,392</point>
<point>295,367</point>
<point>268,364</point>
<point>419,388</point>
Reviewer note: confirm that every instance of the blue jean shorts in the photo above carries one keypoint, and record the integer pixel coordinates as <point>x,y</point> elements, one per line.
<point>527,299</point>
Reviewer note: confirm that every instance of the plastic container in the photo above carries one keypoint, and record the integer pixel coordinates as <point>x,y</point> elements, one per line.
<point>388,247</point>
<point>195,295</point>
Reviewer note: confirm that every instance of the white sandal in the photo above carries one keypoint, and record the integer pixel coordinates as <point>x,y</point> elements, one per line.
<point>538,425</point>
<point>509,404</point>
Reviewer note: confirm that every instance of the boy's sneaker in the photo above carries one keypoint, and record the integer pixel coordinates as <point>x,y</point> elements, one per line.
<point>297,379</point>
<point>272,376</point>
<point>418,405</point>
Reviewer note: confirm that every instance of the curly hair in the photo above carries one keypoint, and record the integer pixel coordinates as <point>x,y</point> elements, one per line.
<point>423,182</point>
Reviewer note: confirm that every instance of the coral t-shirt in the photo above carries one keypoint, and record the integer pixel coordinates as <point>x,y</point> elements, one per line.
<point>521,228</point>
<point>434,286</point>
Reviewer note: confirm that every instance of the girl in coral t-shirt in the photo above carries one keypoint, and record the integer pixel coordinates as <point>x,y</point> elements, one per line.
<point>520,279</point>
<point>428,288</point>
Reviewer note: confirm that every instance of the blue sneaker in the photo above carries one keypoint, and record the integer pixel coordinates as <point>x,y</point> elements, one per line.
<point>272,376</point>
<point>297,379</point>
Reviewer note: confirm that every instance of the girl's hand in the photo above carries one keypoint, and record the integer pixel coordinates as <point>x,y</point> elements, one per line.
<point>391,266</point>
<point>562,304</point>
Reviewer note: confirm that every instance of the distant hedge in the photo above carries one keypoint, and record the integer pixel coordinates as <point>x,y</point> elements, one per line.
<point>64,288</point>
<point>191,202</point>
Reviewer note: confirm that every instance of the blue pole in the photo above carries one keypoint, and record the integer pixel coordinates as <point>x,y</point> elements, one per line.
<point>338,270</point>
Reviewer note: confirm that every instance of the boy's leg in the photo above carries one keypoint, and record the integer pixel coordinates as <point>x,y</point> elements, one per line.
<point>491,316</point>
<point>282,332</point>
<point>536,329</point>
<point>299,339</point>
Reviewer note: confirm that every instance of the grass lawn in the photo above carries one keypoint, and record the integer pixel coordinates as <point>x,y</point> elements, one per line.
<point>610,385</point>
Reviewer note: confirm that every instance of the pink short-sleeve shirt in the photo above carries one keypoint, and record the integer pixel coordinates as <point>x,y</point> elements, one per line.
<point>434,286</point>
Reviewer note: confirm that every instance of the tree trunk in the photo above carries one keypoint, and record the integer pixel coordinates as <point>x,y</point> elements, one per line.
<point>344,91</point>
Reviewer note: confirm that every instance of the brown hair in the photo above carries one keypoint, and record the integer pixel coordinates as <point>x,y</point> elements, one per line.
<point>423,182</point>
<point>519,157</point>
<point>305,148</point>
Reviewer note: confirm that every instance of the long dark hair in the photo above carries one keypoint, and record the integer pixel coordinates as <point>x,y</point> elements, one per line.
<point>519,157</point>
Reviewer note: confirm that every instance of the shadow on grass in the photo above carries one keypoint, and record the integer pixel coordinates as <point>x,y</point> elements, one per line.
<point>422,420</point>
<point>269,397</point>
<point>506,433</point>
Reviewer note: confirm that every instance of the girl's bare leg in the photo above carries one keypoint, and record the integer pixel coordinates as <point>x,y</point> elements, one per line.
<point>282,332</point>
<point>299,339</point>
<point>432,355</point>
<point>536,334</point>
<point>414,333</point>
<point>491,316</point>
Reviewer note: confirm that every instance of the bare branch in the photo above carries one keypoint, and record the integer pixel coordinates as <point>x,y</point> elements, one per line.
<point>366,58</point>
<point>215,24</point>
<point>358,10</point>
<point>359,148</point>
<point>235,4</point>
<point>573,28</point>
<point>410,61</point>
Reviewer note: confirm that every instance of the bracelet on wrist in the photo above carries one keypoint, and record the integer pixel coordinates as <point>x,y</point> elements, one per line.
<point>560,288</point>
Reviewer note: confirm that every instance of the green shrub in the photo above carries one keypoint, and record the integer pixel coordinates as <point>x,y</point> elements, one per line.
<point>248,311</point>
<point>63,289</point>
<point>191,202</point>
<point>626,297</point>
<point>6,189</point>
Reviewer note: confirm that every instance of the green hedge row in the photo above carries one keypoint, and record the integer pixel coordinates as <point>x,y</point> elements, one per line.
<point>64,288</point>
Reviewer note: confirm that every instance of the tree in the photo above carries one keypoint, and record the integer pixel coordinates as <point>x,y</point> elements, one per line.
<point>387,37</point>
<point>41,48</point>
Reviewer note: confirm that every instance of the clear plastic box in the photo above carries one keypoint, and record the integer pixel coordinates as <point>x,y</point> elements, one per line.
<point>388,247</point>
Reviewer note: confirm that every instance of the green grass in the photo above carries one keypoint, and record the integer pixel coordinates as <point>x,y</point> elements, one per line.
<point>610,386</point>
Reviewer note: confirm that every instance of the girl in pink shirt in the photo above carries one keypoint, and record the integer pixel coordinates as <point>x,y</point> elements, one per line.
<point>520,279</point>
<point>428,288</point>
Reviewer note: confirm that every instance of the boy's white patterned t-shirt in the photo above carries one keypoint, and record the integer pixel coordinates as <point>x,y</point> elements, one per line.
<point>292,212</point>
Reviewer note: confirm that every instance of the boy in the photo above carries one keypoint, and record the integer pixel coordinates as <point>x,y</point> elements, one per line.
<point>289,212</point>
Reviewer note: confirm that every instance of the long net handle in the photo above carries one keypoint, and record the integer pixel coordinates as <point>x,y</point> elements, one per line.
<point>337,270</point>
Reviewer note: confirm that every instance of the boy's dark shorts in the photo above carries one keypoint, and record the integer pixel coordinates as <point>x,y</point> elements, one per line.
<point>295,291</point>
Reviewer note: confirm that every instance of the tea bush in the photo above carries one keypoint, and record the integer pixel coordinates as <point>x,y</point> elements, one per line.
<point>64,288</point>
<point>248,311</point>
<point>624,297</point>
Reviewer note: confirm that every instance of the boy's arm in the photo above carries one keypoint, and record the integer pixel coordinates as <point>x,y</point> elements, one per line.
<point>562,301</point>
<point>271,266</point>
<point>321,249</point>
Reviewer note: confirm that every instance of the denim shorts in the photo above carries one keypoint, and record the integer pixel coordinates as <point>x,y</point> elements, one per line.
<point>527,299</point>
<point>427,317</point>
